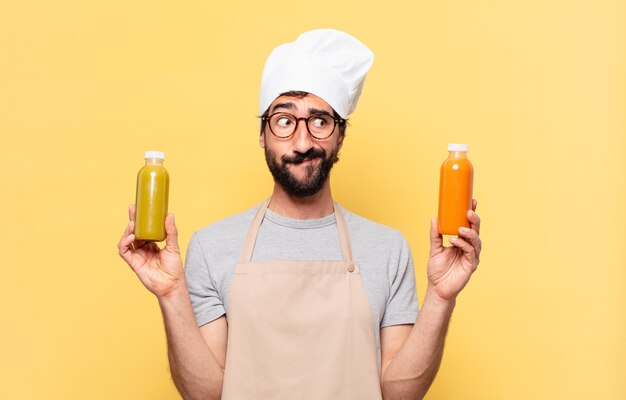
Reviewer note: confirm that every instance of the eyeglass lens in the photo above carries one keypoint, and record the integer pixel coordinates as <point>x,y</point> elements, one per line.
<point>320,126</point>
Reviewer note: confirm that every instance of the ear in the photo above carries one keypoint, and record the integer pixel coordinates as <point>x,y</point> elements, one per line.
<point>262,140</point>
<point>340,142</point>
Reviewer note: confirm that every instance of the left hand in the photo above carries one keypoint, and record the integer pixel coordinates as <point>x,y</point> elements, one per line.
<point>450,268</point>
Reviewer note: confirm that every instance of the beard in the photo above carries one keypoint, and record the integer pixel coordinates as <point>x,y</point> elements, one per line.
<point>315,176</point>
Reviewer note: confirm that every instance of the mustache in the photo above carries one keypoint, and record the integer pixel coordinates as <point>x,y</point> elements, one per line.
<point>298,158</point>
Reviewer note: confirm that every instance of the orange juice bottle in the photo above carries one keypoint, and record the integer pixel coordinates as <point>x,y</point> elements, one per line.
<point>153,183</point>
<point>455,190</point>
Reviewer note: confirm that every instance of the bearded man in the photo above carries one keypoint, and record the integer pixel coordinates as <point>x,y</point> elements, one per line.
<point>297,297</point>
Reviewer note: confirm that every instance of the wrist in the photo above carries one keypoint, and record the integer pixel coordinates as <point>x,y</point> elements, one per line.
<point>179,294</point>
<point>434,299</point>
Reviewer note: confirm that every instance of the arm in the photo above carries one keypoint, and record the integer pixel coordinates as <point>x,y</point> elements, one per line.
<point>411,357</point>
<point>196,354</point>
<point>412,354</point>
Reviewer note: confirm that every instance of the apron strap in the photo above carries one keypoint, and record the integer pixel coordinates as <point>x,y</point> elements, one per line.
<point>344,237</point>
<point>248,247</point>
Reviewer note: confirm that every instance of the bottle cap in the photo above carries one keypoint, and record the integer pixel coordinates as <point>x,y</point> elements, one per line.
<point>458,147</point>
<point>154,154</point>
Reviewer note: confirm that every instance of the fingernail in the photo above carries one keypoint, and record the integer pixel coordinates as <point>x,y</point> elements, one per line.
<point>452,239</point>
<point>463,229</point>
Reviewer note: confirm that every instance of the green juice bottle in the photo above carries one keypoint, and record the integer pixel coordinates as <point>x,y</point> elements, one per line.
<point>153,183</point>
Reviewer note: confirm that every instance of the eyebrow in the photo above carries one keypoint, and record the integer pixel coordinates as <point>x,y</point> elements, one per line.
<point>291,106</point>
<point>288,106</point>
<point>315,111</point>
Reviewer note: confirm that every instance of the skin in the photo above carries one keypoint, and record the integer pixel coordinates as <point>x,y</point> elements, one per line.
<point>411,353</point>
<point>321,203</point>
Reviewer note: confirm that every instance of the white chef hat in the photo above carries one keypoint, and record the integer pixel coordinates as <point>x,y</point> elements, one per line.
<point>325,62</point>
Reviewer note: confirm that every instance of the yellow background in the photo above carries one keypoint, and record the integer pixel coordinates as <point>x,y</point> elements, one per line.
<point>537,89</point>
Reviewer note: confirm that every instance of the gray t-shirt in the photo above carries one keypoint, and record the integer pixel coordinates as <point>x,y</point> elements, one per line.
<point>383,255</point>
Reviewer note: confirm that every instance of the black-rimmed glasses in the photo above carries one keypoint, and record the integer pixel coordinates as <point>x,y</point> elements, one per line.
<point>320,126</point>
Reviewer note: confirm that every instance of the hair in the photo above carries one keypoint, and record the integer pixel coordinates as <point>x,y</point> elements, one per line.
<point>300,94</point>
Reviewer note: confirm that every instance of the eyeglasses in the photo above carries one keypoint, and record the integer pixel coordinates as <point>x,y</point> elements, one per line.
<point>320,126</point>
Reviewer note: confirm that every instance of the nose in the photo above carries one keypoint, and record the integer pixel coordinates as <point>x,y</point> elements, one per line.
<point>302,138</point>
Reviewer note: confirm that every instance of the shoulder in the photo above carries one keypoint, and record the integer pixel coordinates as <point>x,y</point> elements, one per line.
<point>375,233</point>
<point>226,230</point>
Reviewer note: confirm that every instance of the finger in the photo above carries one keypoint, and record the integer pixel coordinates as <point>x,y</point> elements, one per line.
<point>127,231</point>
<point>474,204</point>
<point>152,247</point>
<point>130,228</point>
<point>124,248</point>
<point>471,236</point>
<point>436,239</point>
<point>468,250</point>
<point>171,238</point>
<point>474,220</point>
<point>131,212</point>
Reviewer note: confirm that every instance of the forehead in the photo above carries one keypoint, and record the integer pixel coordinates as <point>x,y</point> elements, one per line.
<point>301,103</point>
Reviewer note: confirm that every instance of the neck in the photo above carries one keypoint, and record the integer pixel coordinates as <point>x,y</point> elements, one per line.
<point>316,206</point>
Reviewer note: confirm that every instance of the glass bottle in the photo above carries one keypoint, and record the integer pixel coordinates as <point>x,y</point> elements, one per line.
<point>151,200</point>
<point>455,190</point>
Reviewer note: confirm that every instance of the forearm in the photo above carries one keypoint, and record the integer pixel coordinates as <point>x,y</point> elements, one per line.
<point>413,369</point>
<point>195,370</point>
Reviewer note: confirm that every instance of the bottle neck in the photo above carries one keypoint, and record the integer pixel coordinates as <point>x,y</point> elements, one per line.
<point>457,154</point>
<point>154,161</point>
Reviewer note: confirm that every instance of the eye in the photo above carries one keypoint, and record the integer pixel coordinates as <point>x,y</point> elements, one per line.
<point>319,122</point>
<point>283,122</point>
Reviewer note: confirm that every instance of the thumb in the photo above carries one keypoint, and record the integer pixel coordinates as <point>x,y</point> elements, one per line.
<point>171,238</point>
<point>436,239</point>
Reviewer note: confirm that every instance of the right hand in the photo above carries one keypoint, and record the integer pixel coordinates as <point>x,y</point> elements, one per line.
<point>160,270</point>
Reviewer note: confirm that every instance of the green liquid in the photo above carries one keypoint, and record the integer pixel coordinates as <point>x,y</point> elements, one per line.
<point>153,183</point>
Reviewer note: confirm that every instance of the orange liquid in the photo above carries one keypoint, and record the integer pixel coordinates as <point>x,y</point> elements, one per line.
<point>455,193</point>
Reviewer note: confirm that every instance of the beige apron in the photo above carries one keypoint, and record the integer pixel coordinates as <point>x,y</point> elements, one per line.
<point>299,329</point>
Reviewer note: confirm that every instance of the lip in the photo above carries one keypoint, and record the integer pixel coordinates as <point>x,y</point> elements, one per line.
<point>306,161</point>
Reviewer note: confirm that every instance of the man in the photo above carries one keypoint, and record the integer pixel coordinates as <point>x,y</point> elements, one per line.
<point>298,298</point>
